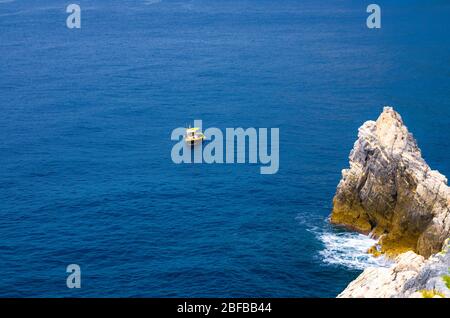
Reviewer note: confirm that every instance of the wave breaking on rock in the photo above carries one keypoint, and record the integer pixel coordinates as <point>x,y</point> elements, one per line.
<point>391,193</point>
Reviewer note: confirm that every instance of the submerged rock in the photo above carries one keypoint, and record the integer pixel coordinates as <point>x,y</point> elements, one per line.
<point>391,192</point>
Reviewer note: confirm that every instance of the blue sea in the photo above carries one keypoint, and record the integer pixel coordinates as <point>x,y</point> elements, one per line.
<point>86,175</point>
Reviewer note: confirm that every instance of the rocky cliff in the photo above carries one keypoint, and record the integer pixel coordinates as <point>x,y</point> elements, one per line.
<point>410,276</point>
<point>391,192</point>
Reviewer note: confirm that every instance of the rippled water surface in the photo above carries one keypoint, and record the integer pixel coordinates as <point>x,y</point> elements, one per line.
<point>86,115</point>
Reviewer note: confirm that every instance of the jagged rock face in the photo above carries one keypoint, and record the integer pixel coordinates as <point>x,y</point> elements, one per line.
<point>390,190</point>
<point>410,276</point>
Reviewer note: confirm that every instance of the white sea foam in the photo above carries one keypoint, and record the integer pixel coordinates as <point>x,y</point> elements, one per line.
<point>349,250</point>
<point>341,248</point>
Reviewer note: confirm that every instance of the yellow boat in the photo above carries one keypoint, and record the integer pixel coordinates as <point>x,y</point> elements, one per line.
<point>194,136</point>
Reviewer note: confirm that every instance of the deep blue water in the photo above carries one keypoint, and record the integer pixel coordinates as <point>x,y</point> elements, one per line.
<point>86,115</point>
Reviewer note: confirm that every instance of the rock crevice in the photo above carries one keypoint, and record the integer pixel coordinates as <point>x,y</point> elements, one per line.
<point>410,276</point>
<point>391,192</point>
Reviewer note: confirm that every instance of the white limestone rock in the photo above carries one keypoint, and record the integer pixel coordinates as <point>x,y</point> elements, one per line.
<point>409,276</point>
<point>390,191</point>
